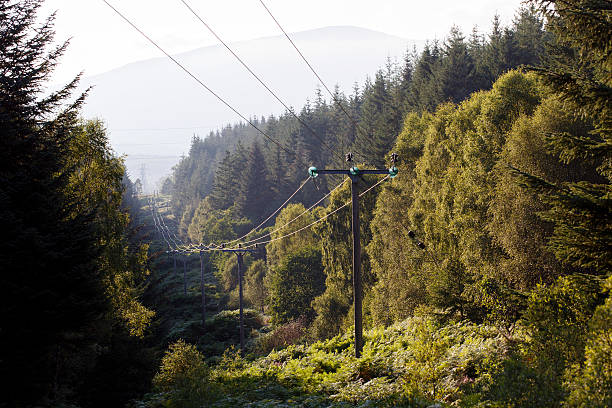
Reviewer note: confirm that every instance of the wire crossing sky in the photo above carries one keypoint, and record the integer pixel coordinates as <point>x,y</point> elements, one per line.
<point>197,79</point>
<point>99,42</point>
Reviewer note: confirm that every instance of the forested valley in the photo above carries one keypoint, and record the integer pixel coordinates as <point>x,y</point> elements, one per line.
<point>485,261</point>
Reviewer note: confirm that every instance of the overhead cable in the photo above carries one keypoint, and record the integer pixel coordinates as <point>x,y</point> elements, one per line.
<point>157,224</point>
<point>270,216</point>
<point>295,218</point>
<point>176,238</point>
<point>289,109</point>
<point>357,127</point>
<point>181,66</point>
<point>320,219</point>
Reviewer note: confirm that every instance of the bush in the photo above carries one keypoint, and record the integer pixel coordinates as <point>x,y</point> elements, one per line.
<point>182,376</point>
<point>280,337</point>
<point>590,384</point>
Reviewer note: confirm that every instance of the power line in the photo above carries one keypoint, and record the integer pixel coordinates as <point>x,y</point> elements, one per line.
<point>222,245</point>
<point>157,129</point>
<point>357,127</point>
<point>176,238</point>
<point>294,219</point>
<point>157,224</point>
<point>290,110</point>
<point>198,80</point>
<point>320,219</point>
<point>270,216</point>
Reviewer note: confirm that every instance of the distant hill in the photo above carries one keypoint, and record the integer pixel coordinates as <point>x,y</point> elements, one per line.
<point>152,108</point>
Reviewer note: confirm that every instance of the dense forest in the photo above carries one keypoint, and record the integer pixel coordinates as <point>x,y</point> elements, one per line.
<point>486,262</point>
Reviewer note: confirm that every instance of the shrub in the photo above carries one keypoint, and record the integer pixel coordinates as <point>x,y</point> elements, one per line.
<point>282,336</point>
<point>182,376</point>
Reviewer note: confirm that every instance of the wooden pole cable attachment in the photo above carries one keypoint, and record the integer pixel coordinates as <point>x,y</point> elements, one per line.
<point>355,175</point>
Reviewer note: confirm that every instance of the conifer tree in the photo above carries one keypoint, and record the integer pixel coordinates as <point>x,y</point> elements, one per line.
<point>254,196</point>
<point>224,188</point>
<point>47,255</point>
<point>425,93</point>
<point>582,76</point>
<point>457,72</point>
<point>379,123</point>
<point>66,266</point>
<point>499,52</point>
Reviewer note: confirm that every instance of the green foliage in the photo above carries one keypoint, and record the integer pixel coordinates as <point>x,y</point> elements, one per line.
<point>277,250</point>
<point>557,318</point>
<point>182,376</point>
<point>223,330</point>
<point>255,291</point>
<point>580,74</point>
<point>294,284</point>
<point>334,305</point>
<point>70,273</point>
<point>589,383</point>
<point>210,225</point>
<point>409,364</point>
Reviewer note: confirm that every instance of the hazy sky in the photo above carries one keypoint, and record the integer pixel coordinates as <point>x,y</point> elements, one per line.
<point>102,41</point>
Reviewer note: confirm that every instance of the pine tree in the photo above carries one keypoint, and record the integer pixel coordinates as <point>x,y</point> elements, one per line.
<point>254,196</point>
<point>62,223</point>
<point>530,36</point>
<point>425,94</point>
<point>457,72</point>
<point>405,82</point>
<point>500,52</point>
<point>379,123</point>
<point>224,188</point>
<point>582,77</point>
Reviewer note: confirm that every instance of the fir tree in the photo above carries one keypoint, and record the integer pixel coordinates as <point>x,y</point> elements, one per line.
<point>379,123</point>
<point>224,188</point>
<point>50,286</point>
<point>581,211</point>
<point>254,196</point>
<point>457,73</point>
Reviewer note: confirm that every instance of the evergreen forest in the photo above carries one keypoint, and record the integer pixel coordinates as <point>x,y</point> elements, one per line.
<point>486,261</point>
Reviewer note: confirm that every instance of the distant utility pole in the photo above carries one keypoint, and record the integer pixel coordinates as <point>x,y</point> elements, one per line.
<point>202,290</point>
<point>185,274</point>
<point>185,254</point>
<point>174,258</point>
<point>240,253</point>
<point>143,175</point>
<point>355,174</point>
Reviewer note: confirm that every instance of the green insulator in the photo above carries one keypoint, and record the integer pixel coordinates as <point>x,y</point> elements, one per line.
<point>393,171</point>
<point>354,170</point>
<point>313,171</point>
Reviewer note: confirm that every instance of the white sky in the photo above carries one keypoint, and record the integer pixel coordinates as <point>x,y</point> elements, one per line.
<point>102,41</point>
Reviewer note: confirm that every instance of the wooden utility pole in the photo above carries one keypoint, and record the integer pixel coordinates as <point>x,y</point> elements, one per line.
<point>174,259</point>
<point>202,290</point>
<point>240,253</point>
<point>240,268</point>
<point>357,288</point>
<point>355,174</point>
<point>185,275</point>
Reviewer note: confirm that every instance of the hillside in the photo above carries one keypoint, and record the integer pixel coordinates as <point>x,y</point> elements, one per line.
<point>477,263</point>
<point>162,108</point>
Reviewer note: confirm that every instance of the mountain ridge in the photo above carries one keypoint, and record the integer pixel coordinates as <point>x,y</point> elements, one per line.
<point>155,94</point>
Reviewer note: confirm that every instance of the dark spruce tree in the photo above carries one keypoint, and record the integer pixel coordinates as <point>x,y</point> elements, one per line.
<point>425,94</point>
<point>255,193</point>
<point>581,73</point>
<point>225,187</point>
<point>379,123</point>
<point>457,74</point>
<point>52,290</point>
